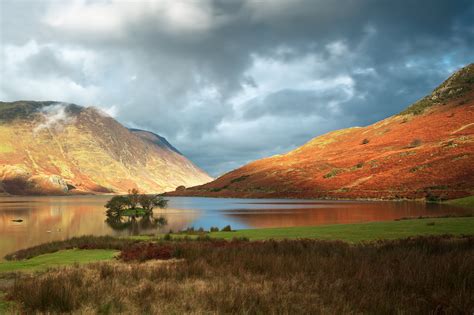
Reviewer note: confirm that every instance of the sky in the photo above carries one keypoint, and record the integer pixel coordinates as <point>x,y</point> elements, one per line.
<point>228,82</point>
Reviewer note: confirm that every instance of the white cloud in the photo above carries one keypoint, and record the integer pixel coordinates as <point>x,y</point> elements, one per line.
<point>230,81</point>
<point>112,19</point>
<point>24,77</point>
<point>54,116</point>
<point>305,73</point>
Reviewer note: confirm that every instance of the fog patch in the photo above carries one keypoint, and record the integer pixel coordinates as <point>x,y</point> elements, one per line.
<point>54,117</point>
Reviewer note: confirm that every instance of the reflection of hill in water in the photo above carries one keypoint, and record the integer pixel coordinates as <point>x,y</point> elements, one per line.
<point>65,217</point>
<point>333,213</point>
<point>56,218</point>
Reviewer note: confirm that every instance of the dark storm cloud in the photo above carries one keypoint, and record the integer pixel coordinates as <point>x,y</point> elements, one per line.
<point>231,81</point>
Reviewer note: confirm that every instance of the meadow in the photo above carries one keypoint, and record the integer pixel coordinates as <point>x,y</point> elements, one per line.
<point>407,266</point>
<point>418,275</point>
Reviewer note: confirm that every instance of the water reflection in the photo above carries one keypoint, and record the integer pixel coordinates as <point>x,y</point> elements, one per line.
<point>55,218</point>
<point>331,212</point>
<point>134,225</point>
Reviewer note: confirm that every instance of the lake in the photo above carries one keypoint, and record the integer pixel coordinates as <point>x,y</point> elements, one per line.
<point>56,218</point>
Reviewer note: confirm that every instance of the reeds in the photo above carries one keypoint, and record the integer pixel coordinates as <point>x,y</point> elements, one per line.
<point>412,276</point>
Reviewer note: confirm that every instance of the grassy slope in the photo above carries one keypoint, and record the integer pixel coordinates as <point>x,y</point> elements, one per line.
<point>65,257</point>
<point>361,232</point>
<point>463,202</point>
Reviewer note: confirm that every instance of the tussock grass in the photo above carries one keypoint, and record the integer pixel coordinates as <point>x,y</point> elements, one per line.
<point>410,276</point>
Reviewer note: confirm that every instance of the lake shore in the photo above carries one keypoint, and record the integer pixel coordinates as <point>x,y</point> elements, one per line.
<point>201,260</point>
<point>350,233</point>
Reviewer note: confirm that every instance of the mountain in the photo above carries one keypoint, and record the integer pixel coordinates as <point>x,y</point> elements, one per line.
<point>427,151</point>
<point>56,148</point>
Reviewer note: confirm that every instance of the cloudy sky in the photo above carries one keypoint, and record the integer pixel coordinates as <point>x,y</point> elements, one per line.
<point>231,81</point>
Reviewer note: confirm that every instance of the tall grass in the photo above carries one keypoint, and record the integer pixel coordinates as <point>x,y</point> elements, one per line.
<point>412,276</point>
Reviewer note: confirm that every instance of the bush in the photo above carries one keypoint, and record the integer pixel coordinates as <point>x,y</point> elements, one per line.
<point>415,143</point>
<point>146,251</point>
<point>240,239</point>
<point>365,141</point>
<point>332,173</point>
<point>227,228</point>
<point>214,229</point>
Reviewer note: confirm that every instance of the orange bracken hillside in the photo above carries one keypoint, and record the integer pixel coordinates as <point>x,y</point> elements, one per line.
<point>55,148</point>
<point>427,151</point>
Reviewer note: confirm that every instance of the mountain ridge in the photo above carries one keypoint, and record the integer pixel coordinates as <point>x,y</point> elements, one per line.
<point>155,138</point>
<point>61,148</point>
<point>426,151</point>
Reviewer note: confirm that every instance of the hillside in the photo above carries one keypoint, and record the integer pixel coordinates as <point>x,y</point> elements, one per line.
<point>55,148</point>
<point>427,151</point>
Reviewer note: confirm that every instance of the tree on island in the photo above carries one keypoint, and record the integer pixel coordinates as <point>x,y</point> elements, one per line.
<point>132,206</point>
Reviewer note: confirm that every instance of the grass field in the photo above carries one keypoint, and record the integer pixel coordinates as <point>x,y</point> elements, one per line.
<point>463,202</point>
<point>361,232</point>
<point>61,258</point>
<point>425,275</point>
<point>105,247</point>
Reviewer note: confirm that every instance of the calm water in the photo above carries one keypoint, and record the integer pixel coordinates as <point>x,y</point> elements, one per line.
<point>55,218</point>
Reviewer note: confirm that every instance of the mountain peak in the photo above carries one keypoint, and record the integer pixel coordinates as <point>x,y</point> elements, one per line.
<point>456,86</point>
<point>60,148</point>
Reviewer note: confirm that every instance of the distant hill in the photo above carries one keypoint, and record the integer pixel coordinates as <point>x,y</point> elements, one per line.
<point>155,139</point>
<point>56,148</point>
<point>427,151</point>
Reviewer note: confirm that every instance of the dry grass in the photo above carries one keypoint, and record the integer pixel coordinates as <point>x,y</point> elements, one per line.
<point>412,276</point>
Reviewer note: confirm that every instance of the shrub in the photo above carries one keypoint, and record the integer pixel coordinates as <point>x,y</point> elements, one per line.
<point>430,197</point>
<point>227,228</point>
<point>181,188</point>
<point>365,141</point>
<point>146,251</point>
<point>415,143</point>
<point>214,229</point>
<point>332,173</point>
<point>240,239</point>
<point>239,179</point>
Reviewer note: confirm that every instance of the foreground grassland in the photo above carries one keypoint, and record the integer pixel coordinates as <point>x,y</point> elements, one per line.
<point>61,258</point>
<point>425,275</point>
<point>336,269</point>
<point>361,232</point>
<point>106,247</point>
